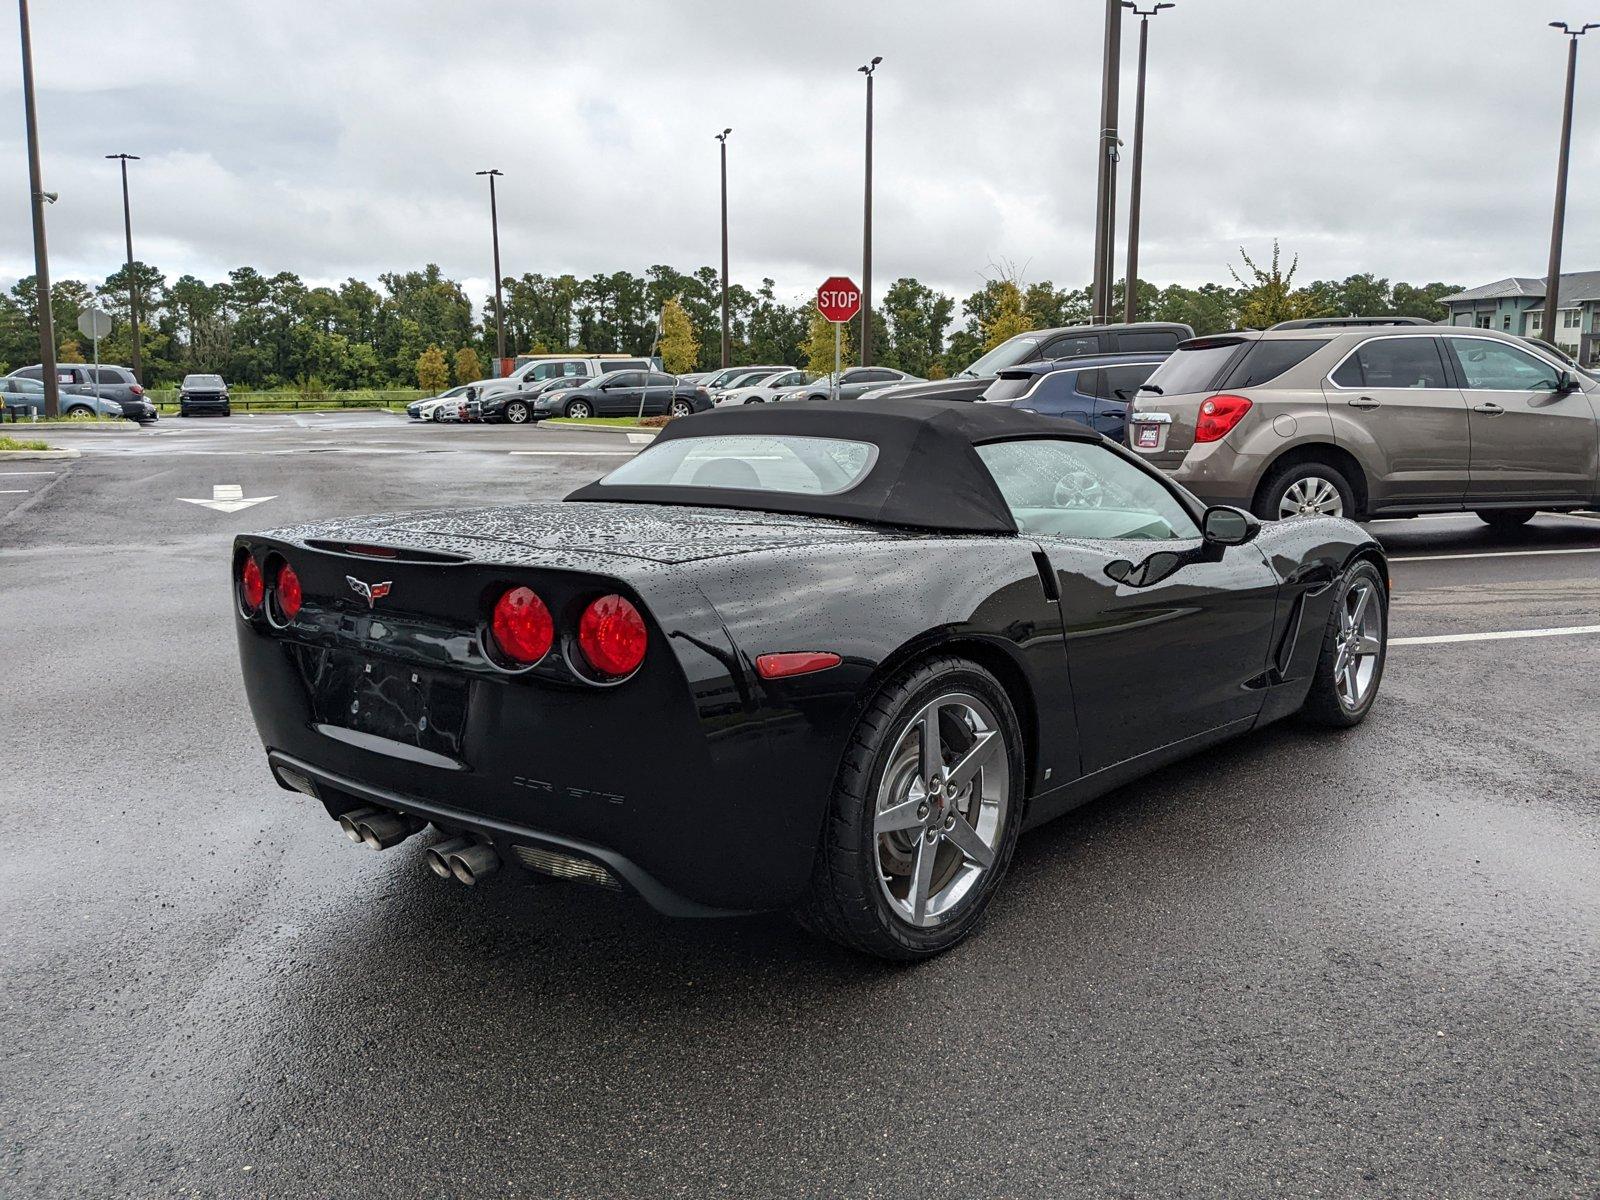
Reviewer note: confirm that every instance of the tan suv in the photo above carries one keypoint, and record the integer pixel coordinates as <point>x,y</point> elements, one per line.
<point>1373,422</point>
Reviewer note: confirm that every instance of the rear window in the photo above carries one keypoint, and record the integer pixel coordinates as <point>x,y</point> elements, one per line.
<point>789,463</point>
<point>1269,358</point>
<point>1192,369</point>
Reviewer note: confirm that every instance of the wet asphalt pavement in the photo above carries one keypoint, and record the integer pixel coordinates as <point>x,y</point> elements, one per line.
<point>1302,964</point>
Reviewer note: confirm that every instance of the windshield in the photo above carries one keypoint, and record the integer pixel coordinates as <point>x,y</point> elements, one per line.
<point>1007,354</point>
<point>1191,370</point>
<point>789,463</point>
<point>202,381</point>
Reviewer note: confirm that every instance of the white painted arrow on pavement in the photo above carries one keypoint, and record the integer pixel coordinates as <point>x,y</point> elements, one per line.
<point>227,497</point>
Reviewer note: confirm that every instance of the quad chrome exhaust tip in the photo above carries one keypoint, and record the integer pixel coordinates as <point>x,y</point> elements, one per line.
<point>463,859</point>
<point>350,822</point>
<point>378,829</point>
<point>438,855</point>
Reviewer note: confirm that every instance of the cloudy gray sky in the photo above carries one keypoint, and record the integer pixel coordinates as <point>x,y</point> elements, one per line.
<point>1412,138</point>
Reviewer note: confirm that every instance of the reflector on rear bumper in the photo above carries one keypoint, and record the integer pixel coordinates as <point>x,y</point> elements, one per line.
<point>566,866</point>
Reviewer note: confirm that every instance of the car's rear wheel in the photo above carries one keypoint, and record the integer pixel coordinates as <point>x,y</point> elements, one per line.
<point>680,407</point>
<point>1306,489</point>
<point>517,412</point>
<point>579,409</point>
<point>1355,643</point>
<point>1505,518</point>
<point>924,817</point>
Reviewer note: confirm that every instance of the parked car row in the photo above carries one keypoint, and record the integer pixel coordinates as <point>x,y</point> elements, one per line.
<point>84,391</point>
<point>623,393</point>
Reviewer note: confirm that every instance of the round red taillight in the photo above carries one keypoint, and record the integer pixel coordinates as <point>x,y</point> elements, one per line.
<point>251,586</point>
<point>290,593</point>
<point>612,636</point>
<point>522,626</point>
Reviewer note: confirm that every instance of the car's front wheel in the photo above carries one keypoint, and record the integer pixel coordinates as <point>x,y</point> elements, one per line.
<point>1505,518</point>
<point>79,412</point>
<point>517,412</point>
<point>1355,642</point>
<point>438,415</point>
<point>579,409</point>
<point>924,817</point>
<point>1307,489</point>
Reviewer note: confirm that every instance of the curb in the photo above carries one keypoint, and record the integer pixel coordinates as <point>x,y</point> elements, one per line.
<point>633,429</point>
<point>13,455</point>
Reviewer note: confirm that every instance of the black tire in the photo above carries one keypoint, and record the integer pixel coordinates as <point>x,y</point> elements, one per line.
<point>845,902</point>
<point>1270,499</point>
<point>1324,704</point>
<point>755,400</point>
<point>578,409</point>
<point>517,412</point>
<point>1505,518</point>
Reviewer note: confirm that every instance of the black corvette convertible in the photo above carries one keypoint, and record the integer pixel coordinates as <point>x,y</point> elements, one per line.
<point>831,658</point>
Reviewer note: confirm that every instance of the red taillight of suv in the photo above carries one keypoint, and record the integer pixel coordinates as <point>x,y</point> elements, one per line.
<point>521,625</point>
<point>136,389</point>
<point>252,587</point>
<point>612,636</point>
<point>1218,416</point>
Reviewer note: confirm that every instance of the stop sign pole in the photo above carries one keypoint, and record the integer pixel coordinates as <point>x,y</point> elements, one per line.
<point>839,301</point>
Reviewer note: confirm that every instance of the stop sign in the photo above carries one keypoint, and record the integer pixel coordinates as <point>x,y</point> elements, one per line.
<point>838,299</point>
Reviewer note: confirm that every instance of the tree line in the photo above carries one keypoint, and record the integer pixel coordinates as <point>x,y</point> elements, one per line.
<point>419,328</point>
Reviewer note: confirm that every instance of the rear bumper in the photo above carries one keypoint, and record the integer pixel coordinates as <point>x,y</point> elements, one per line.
<point>340,794</point>
<point>1217,473</point>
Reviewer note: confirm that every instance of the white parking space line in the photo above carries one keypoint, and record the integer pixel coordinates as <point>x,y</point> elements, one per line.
<point>27,472</point>
<point>575,453</point>
<point>1500,636</point>
<point>13,491</point>
<point>1492,554</point>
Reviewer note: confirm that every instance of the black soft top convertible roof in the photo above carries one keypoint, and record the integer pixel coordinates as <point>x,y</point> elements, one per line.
<point>927,474</point>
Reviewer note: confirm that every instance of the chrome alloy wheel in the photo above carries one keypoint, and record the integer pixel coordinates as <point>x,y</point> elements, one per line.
<point>1312,496</point>
<point>1360,644</point>
<point>941,808</point>
<point>681,408</point>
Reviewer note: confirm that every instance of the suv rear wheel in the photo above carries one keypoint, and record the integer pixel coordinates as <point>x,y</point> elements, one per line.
<point>1306,489</point>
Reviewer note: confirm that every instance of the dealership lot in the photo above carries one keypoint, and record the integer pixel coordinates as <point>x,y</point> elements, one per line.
<point>1298,965</point>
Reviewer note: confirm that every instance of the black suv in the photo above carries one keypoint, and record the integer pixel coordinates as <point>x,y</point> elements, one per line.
<point>1037,345</point>
<point>202,394</point>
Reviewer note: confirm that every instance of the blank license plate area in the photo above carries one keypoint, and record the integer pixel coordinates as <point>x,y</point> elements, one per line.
<point>417,707</point>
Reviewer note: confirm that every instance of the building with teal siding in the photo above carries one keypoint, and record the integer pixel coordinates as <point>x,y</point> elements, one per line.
<point>1516,305</point>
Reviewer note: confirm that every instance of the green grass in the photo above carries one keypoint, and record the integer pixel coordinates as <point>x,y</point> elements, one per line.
<point>11,443</point>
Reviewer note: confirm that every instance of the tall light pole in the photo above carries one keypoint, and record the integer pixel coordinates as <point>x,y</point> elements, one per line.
<point>866,229</point>
<point>1552,279</point>
<point>499,311</point>
<point>41,256</point>
<point>727,334</point>
<point>1105,214</point>
<point>133,289</point>
<point>1130,305</point>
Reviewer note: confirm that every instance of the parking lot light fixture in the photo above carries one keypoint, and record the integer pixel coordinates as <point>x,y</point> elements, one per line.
<point>727,336</point>
<point>866,231</point>
<point>1552,278</point>
<point>1130,300</point>
<point>499,310</point>
<point>133,289</point>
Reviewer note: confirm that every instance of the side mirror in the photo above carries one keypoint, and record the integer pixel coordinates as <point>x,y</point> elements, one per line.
<point>1225,526</point>
<point>1566,383</point>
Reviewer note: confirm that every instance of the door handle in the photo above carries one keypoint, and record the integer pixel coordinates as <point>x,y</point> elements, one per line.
<point>1489,408</point>
<point>1362,402</point>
